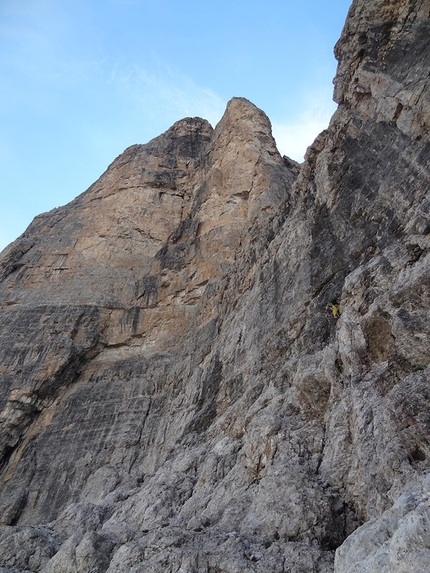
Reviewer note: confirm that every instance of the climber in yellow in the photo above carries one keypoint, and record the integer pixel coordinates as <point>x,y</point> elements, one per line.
<point>334,307</point>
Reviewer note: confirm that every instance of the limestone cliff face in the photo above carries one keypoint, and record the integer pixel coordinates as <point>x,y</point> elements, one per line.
<point>174,395</point>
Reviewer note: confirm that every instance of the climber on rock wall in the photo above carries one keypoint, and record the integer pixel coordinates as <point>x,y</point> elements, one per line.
<point>334,307</point>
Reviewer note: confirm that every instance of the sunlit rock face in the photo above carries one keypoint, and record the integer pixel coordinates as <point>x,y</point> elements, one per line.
<point>175,395</point>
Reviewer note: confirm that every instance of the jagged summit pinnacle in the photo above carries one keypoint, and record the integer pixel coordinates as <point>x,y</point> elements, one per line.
<point>189,125</point>
<point>190,134</point>
<point>146,196</point>
<point>243,106</point>
<point>239,109</point>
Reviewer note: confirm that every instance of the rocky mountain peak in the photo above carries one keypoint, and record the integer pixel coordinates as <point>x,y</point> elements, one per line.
<point>243,114</point>
<point>190,126</point>
<point>215,360</point>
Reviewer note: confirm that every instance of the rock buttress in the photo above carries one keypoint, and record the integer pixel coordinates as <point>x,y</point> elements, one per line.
<point>184,400</point>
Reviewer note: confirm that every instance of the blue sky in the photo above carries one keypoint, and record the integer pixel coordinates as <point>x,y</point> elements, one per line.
<point>81,80</point>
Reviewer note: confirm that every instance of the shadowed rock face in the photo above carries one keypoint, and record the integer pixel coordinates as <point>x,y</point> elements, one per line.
<point>174,395</point>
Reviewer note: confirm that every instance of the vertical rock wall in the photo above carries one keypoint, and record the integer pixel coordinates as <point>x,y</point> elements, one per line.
<point>175,395</point>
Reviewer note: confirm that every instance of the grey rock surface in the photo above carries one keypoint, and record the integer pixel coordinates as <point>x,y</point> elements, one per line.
<point>175,396</point>
<point>398,540</point>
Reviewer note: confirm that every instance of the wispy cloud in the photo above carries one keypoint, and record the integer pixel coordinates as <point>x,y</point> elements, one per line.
<point>168,93</point>
<point>294,137</point>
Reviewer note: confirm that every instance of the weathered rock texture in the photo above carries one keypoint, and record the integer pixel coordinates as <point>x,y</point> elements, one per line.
<point>175,396</point>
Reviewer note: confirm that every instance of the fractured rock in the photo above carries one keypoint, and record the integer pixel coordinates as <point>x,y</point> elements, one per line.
<point>174,395</point>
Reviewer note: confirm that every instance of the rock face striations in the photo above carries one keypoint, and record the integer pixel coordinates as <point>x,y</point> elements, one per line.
<point>175,396</point>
